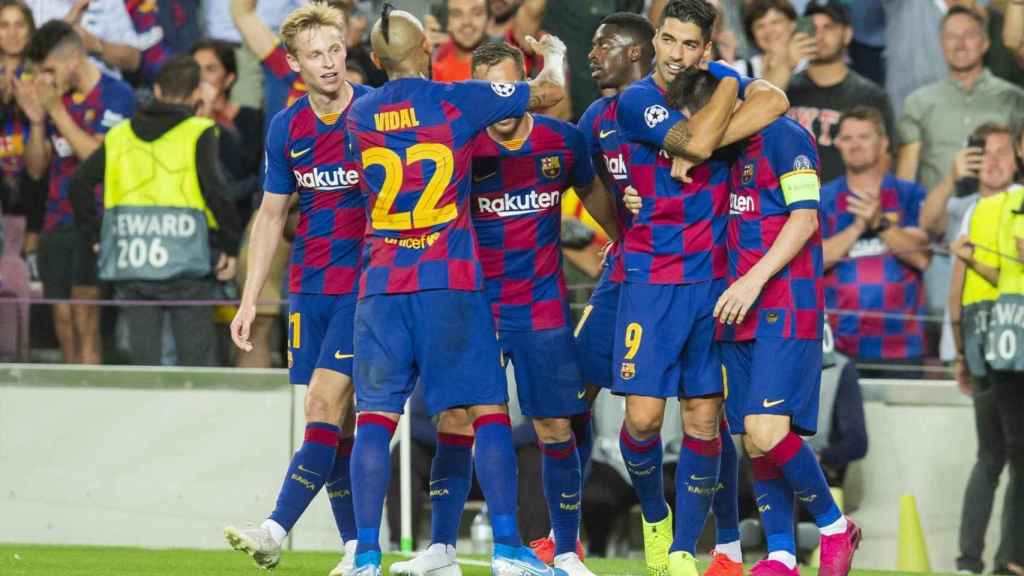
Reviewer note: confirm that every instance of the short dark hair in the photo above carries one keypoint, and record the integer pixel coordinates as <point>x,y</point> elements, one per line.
<point>636,27</point>
<point>691,89</point>
<point>865,113</point>
<point>971,13</point>
<point>26,12</point>
<point>178,78</point>
<point>491,53</point>
<point>757,9</point>
<point>698,12</point>
<point>51,36</point>
<point>224,52</point>
<point>635,24</point>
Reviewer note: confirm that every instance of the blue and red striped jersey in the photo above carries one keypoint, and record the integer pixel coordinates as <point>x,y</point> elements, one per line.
<point>282,86</point>
<point>776,173</point>
<point>517,191</point>
<point>107,104</point>
<point>872,279</point>
<point>310,155</point>
<point>678,237</point>
<point>415,140</point>
<point>608,152</point>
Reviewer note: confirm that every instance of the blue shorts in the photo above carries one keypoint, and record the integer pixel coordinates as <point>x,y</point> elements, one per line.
<point>595,332</point>
<point>319,334</point>
<point>773,376</point>
<point>665,341</point>
<point>548,381</point>
<point>444,338</point>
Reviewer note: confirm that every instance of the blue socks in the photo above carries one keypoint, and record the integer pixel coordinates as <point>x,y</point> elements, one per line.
<point>775,503</point>
<point>451,476</point>
<point>496,471</point>
<point>726,502</point>
<point>308,471</point>
<point>800,467</point>
<point>583,431</point>
<point>643,461</point>
<point>562,487</point>
<point>696,483</point>
<point>371,461</point>
<point>339,491</point>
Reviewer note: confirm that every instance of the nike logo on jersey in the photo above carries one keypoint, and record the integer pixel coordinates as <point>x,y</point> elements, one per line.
<point>696,478</point>
<point>340,356</point>
<point>581,394</point>
<point>573,495</point>
<point>432,482</point>
<point>484,177</point>
<point>606,133</point>
<point>299,153</point>
<point>773,403</point>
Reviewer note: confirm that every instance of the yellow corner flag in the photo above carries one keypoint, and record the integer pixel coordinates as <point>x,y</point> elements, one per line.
<point>913,550</point>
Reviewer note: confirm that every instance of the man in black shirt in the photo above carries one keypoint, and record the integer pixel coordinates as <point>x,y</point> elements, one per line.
<point>827,88</point>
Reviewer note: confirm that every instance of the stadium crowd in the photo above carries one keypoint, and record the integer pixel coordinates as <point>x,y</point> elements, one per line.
<point>916,107</point>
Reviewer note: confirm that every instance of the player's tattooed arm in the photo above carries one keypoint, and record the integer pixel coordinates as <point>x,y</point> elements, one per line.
<point>695,139</point>
<point>548,88</point>
<point>763,104</point>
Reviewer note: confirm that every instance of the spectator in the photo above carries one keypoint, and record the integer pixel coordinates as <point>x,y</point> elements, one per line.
<point>152,260</point>
<point>1002,59</point>
<point>827,88</point>
<point>771,26</point>
<point>16,27</point>
<point>1005,364</point>
<point>873,250</point>
<point>867,51</point>
<point>70,105</point>
<point>467,29</point>
<point>241,127</point>
<point>970,301</point>
<point>121,36</point>
<point>939,117</point>
<point>1013,29</point>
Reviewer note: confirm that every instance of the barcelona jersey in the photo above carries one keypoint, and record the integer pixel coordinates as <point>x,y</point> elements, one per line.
<point>872,279</point>
<point>310,155</point>
<point>776,173</point>
<point>517,189</point>
<point>678,237</point>
<point>106,105</point>
<point>414,139</point>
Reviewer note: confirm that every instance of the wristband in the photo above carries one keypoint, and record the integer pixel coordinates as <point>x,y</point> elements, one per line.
<point>723,71</point>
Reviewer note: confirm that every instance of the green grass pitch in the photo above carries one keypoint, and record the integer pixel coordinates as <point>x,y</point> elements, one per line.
<point>35,560</point>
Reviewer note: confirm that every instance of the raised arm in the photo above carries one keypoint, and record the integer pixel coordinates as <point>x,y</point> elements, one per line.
<point>1013,29</point>
<point>528,20</point>
<point>763,104</point>
<point>257,36</point>
<point>548,88</point>
<point>696,138</point>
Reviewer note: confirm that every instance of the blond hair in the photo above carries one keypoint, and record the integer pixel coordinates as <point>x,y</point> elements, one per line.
<point>308,17</point>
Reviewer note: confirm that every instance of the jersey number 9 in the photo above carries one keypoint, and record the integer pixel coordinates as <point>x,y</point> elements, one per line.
<point>426,213</point>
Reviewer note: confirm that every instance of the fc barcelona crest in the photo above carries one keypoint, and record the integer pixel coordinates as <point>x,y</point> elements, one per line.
<point>551,167</point>
<point>90,115</point>
<point>628,371</point>
<point>748,173</point>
